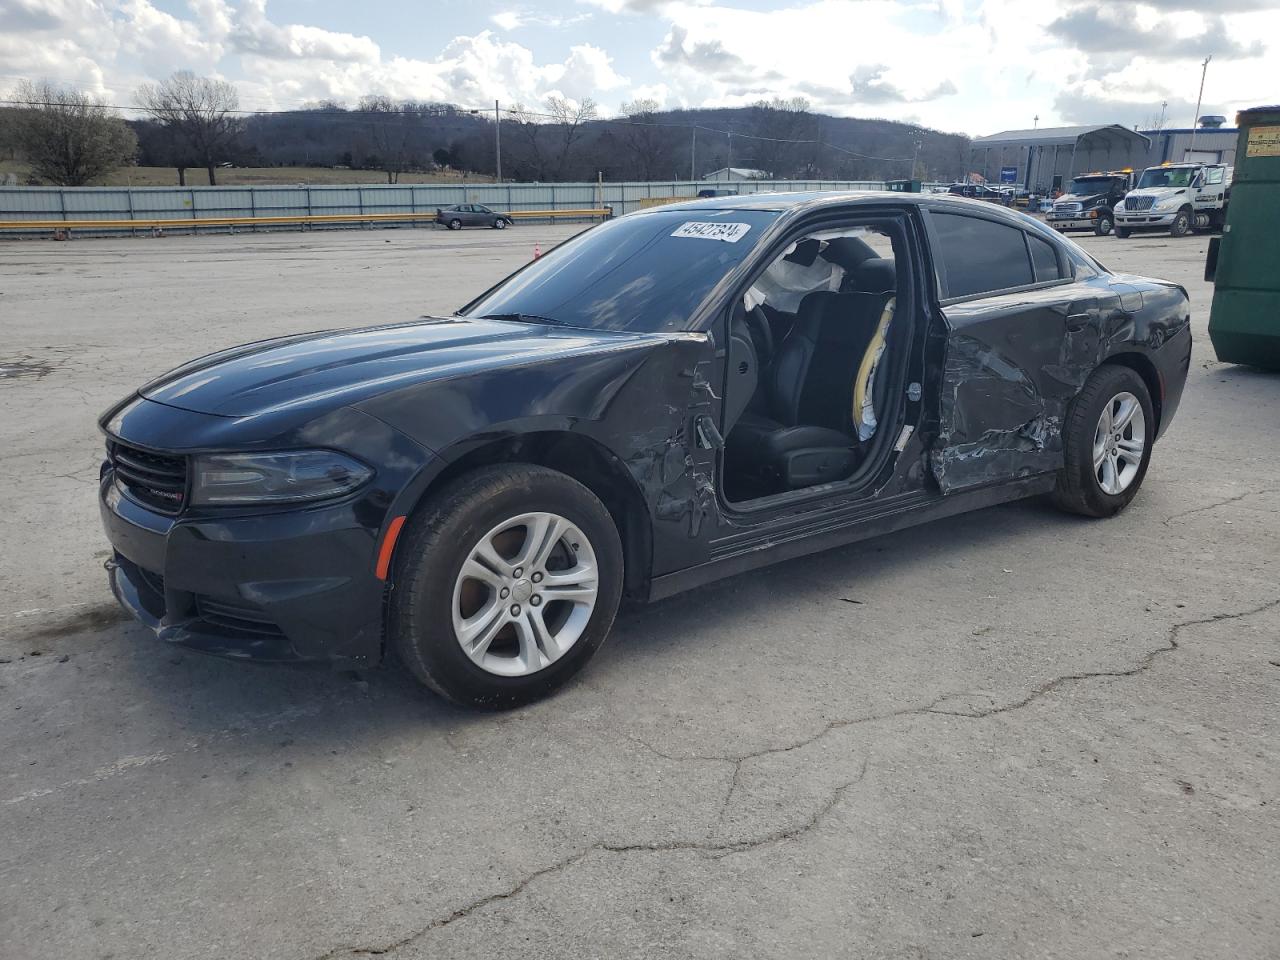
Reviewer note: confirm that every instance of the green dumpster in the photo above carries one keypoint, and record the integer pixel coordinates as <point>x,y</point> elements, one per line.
<point>1244,263</point>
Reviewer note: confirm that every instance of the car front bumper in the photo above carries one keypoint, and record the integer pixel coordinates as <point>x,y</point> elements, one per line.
<point>1070,223</point>
<point>1145,220</point>
<point>287,587</point>
<point>295,582</point>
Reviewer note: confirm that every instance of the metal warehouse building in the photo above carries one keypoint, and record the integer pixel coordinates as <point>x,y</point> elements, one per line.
<point>1208,144</point>
<point>1044,159</point>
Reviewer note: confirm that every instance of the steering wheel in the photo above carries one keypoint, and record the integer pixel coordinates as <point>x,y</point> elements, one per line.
<point>761,335</point>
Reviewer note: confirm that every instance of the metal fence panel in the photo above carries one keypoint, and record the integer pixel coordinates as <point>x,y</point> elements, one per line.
<point>185,203</point>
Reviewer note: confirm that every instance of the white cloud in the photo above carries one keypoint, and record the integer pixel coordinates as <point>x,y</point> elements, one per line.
<point>253,33</point>
<point>508,19</point>
<point>972,65</point>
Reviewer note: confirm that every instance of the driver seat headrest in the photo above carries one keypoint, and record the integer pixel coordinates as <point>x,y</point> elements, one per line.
<point>877,275</point>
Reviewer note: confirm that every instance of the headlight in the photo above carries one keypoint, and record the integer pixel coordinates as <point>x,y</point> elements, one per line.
<point>286,477</point>
<point>1168,203</point>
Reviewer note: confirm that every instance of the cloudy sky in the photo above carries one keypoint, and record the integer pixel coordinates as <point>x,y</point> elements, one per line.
<point>975,66</point>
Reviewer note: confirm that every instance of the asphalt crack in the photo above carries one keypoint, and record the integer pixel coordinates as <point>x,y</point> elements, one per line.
<point>934,706</point>
<point>1168,521</point>
<point>723,848</point>
<point>782,834</point>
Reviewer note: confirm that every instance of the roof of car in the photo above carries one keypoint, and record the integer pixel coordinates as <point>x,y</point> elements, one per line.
<point>815,200</point>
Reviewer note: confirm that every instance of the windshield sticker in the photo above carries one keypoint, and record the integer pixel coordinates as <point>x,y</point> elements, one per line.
<point>728,232</point>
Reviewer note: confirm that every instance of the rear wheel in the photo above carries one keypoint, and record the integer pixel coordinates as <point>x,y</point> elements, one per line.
<point>1181,225</point>
<point>455,224</point>
<point>1107,443</point>
<point>506,583</point>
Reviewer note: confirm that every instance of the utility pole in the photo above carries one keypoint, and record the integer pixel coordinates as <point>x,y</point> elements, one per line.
<point>1204,69</point>
<point>497,139</point>
<point>693,153</point>
<point>1164,105</point>
<point>1035,122</point>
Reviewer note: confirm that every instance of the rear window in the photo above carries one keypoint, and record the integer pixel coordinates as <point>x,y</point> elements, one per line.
<point>979,256</point>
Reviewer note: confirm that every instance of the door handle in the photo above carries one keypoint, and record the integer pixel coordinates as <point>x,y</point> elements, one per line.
<point>1077,321</point>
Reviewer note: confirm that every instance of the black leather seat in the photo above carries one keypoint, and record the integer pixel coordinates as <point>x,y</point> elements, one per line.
<point>802,433</point>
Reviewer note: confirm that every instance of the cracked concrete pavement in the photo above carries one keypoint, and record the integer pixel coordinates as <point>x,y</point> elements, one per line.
<point>1009,734</point>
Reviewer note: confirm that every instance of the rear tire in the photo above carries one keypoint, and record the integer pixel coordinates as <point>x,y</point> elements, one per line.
<point>455,224</point>
<point>1107,441</point>
<point>523,643</point>
<point>1122,233</point>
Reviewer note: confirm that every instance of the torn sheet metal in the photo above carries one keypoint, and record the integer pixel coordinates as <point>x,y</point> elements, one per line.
<point>1009,374</point>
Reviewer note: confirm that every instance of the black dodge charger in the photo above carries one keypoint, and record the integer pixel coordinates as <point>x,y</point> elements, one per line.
<point>675,396</point>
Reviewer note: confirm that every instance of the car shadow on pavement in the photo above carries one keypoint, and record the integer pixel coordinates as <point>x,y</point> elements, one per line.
<point>201,698</point>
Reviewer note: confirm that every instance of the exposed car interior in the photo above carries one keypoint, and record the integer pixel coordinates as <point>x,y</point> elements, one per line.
<point>805,344</point>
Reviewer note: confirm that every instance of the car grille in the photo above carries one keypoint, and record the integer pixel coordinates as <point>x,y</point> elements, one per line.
<point>1139,203</point>
<point>153,479</point>
<point>240,617</point>
<point>1067,208</point>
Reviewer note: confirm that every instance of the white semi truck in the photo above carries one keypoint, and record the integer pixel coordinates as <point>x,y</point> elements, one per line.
<point>1178,197</point>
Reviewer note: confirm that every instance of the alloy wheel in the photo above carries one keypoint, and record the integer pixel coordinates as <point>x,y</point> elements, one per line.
<point>1119,441</point>
<point>525,594</point>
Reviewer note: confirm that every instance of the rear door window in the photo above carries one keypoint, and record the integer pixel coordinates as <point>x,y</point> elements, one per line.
<point>1044,258</point>
<point>979,256</point>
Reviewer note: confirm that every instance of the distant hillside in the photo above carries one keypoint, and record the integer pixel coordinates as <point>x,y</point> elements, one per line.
<point>657,145</point>
<point>384,141</point>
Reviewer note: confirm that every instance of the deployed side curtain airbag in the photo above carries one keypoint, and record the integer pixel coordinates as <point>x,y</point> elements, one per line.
<point>864,407</point>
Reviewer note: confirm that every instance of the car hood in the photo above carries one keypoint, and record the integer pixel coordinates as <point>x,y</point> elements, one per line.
<point>1079,198</point>
<point>337,367</point>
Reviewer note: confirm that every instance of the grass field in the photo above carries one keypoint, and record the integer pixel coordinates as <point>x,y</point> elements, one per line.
<point>249,176</point>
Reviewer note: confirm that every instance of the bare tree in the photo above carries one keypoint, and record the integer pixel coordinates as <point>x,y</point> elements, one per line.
<point>528,129</point>
<point>649,143</point>
<point>776,122</point>
<point>199,111</point>
<point>395,131</point>
<point>570,117</point>
<point>68,137</point>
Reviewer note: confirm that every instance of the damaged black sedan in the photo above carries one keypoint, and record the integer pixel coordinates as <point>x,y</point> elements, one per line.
<point>675,396</point>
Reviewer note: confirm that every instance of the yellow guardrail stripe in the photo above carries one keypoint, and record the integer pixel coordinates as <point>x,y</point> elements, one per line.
<point>285,219</point>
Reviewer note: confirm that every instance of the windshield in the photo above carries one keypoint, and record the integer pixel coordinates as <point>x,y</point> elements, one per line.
<point>1167,177</point>
<point>1083,186</point>
<point>645,272</point>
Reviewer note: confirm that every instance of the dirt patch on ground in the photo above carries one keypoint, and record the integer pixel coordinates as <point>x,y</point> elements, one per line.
<point>24,368</point>
<point>29,631</point>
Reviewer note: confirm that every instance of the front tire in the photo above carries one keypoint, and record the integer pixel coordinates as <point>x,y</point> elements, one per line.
<point>499,224</point>
<point>1103,225</point>
<point>1107,441</point>
<point>507,582</point>
<point>1122,233</point>
<point>1181,225</point>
